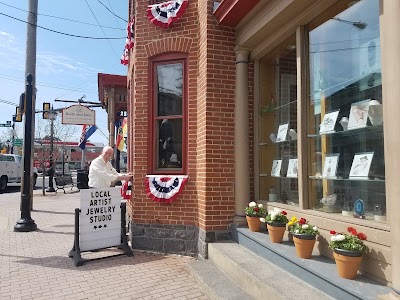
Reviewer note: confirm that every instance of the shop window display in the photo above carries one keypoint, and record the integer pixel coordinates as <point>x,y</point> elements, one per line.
<point>345,123</point>
<point>168,113</point>
<point>278,180</point>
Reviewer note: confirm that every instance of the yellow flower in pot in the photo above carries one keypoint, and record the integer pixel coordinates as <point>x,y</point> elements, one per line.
<point>304,236</point>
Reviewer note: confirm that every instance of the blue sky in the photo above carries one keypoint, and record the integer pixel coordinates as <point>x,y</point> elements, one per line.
<point>66,67</point>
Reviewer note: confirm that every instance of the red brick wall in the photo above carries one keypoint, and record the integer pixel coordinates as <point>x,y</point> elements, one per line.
<point>207,200</point>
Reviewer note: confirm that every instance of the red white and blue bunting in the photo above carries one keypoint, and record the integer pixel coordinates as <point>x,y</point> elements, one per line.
<point>164,188</point>
<point>165,13</point>
<point>129,43</point>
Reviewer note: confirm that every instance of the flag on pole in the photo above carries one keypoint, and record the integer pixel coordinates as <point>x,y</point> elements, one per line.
<point>86,133</point>
<point>122,129</point>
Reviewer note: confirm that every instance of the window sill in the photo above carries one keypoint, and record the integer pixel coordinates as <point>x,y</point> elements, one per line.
<point>332,216</point>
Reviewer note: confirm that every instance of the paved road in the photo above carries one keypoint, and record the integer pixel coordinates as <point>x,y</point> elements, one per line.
<point>35,265</point>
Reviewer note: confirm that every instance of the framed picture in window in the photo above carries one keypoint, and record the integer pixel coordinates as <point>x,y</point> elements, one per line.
<point>292,168</point>
<point>282,133</point>
<point>330,165</point>
<point>358,114</point>
<point>361,164</point>
<point>328,123</point>
<point>276,168</point>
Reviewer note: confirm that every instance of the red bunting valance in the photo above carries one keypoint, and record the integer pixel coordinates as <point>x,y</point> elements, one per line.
<point>129,43</point>
<point>164,188</point>
<point>165,13</point>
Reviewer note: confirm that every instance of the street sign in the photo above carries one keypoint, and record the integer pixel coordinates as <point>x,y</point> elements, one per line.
<point>18,142</point>
<point>5,125</point>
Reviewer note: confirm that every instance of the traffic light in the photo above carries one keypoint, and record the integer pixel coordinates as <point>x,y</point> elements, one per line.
<point>46,108</point>
<point>22,103</point>
<point>18,114</point>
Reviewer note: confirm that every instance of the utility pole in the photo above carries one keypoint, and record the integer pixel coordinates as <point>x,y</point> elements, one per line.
<point>13,135</point>
<point>25,223</point>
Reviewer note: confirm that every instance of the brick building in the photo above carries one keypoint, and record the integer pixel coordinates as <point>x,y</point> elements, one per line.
<point>204,53</point>
<point>238,73</point>
<point>72,153</point>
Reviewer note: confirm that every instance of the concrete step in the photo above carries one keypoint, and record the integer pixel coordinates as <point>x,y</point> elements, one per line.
<point>258,277</point>
<point>215,283</point>
<point>319,271</point>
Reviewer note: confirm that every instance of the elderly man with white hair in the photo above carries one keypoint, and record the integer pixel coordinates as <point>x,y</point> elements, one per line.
<point>101,172</point>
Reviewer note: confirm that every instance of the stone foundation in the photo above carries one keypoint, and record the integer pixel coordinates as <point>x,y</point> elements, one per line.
<point>210,237</point>
<point>175,239</point>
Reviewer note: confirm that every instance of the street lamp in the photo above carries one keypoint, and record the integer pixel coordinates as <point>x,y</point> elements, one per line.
<point>25,223</point>
<point>358,24</point>
<point>52,116</point>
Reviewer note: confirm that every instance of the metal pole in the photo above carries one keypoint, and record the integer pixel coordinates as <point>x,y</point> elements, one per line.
<point>13,135</point>
<point>25,223</point>
<point>83,159</point>
<point>117,161</point>
<point>52,167</point>
<point>30,68</point>
<point>63,154</point>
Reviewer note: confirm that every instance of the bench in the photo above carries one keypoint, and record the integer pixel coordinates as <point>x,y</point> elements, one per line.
<point>63,181</point>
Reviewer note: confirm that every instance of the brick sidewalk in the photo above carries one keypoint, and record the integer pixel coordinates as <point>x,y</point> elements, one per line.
<point>36,265</point>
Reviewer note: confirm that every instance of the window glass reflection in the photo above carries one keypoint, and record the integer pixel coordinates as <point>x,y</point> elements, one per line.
<point>169,89</point>
<point>345,111</point>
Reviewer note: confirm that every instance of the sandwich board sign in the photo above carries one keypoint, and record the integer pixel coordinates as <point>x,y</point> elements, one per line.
<point>99,223</point>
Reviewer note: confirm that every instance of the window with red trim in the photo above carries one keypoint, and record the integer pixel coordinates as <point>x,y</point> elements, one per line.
<point>168,114</point>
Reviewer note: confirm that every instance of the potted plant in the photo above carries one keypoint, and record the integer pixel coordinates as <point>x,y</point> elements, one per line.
<point>253,213</point>
<point>276,223</point>
<point>303,236</point>
<point>348,249</point>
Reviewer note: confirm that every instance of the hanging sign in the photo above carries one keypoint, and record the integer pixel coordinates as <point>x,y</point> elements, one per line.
<point>100,218</point>
<point>78,115</point>
<point>164,188</point>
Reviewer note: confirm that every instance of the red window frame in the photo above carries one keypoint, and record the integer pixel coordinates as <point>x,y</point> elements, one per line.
<point>168,58</point>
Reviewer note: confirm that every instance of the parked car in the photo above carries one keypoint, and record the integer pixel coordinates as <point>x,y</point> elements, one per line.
<point>11,170</point>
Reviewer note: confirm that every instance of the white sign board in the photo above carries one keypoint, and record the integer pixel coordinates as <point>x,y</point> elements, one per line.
<point>100,218</point>
<point>78,115</point>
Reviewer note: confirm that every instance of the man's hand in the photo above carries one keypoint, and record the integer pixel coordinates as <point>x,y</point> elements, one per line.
<point>126,177</point>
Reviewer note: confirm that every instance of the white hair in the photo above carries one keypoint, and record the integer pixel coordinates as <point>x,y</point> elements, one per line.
<point>106,149</point>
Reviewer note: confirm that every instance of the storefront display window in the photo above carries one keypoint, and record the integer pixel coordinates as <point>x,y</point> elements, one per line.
<point>345,133</point>
<point>278,126</point>
<point>168,113</point>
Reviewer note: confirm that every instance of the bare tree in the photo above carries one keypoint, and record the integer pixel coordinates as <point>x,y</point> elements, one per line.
<point>61,133</point>
<point>8,136</point>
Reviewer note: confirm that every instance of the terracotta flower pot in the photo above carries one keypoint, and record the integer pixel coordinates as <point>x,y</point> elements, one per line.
<point>276,231</point>
<point>253,223</point>
<point>347,263</point>
<point>304,244</point>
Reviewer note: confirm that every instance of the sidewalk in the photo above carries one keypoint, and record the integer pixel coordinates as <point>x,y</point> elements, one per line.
<point>36,265</point>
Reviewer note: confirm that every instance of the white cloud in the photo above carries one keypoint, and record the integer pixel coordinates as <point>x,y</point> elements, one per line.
<point>50,63</point>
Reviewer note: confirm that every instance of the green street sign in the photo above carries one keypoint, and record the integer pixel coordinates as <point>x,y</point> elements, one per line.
<point>5,125</point>
<point>18,142</point>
